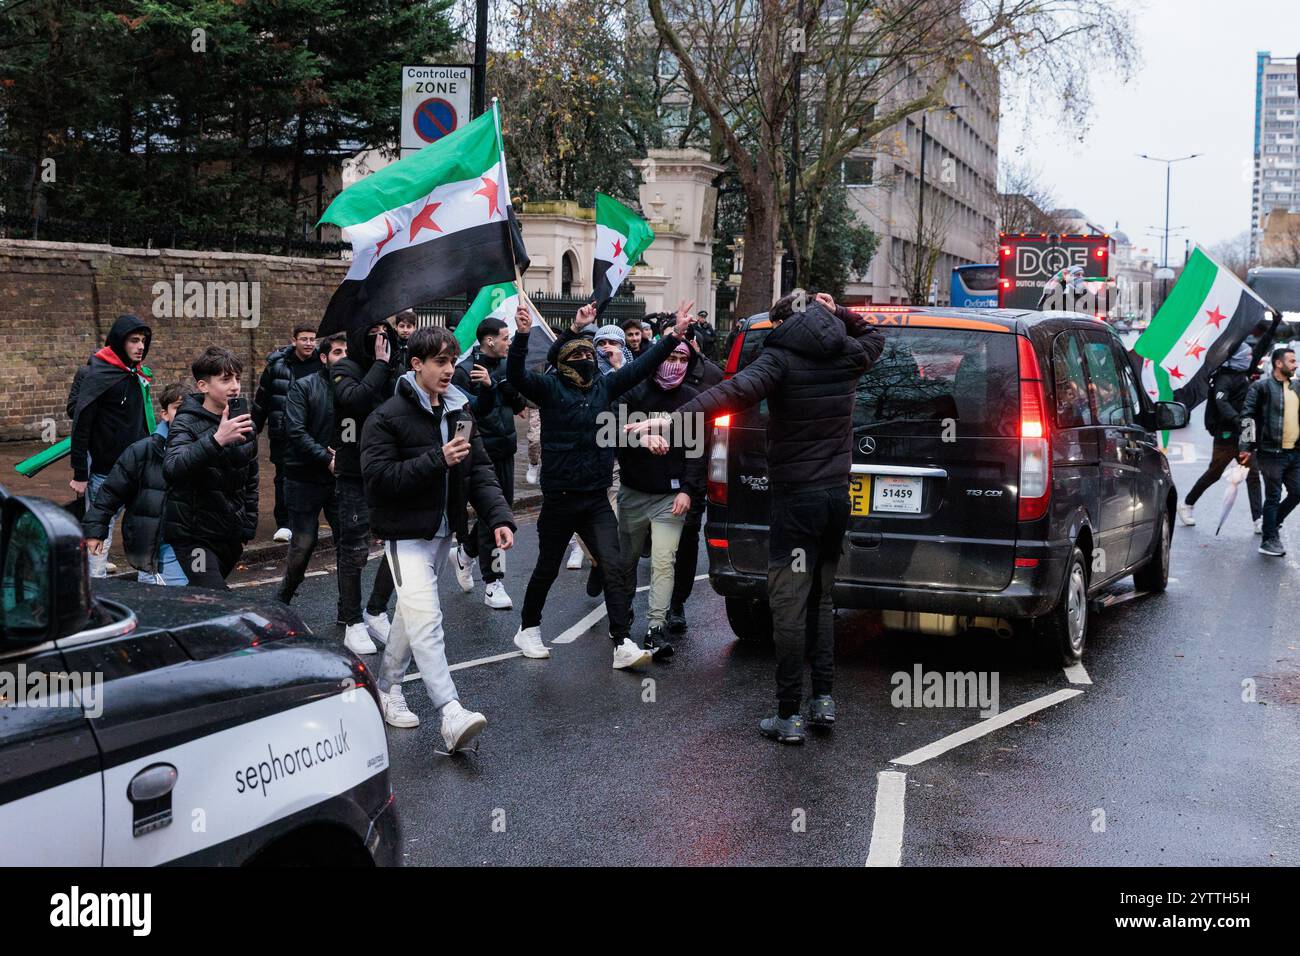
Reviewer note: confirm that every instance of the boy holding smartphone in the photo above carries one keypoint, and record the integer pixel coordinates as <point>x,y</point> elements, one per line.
<point>423,462</point>
<point>211,470</point>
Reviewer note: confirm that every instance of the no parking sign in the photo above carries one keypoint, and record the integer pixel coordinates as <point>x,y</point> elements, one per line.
<point>435,101</point>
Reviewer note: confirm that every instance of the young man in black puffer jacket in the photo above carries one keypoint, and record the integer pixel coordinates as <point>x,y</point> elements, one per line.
<point>578,468</point>
<point>136,483</point>
<point>808,371</point>
<point>211,470</point>
<point>495,403</point>
<point>284,366</point>
<point>420,476</point>
<point>362,382</point>
<point>309,464</point>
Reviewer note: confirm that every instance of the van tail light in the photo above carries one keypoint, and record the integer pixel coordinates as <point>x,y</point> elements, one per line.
<point>1035,440</point>
<point>717,475</point>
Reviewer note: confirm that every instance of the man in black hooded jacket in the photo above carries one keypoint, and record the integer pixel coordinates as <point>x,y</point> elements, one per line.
<point>577,470</point>
<point>362,382</point>
<point>284,366</point>
<point>808,371</point>
<point>112,410</point>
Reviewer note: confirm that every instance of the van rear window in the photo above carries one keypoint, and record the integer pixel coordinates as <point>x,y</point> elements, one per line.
<point>925,378</point>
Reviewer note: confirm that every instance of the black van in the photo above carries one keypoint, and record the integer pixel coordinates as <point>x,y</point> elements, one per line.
<point>1005,469</point>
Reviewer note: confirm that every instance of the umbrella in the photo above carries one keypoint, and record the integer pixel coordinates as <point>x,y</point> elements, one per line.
<point>1235,473</point>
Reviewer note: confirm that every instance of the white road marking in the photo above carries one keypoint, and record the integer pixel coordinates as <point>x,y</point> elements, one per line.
<point>887,823</point>
<point>584,625</point>
<point>276,580</point>
<point>943,745</point>
<point>1075,674</point>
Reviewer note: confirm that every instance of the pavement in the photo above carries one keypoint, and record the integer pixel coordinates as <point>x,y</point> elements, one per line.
<point>1176,743</point>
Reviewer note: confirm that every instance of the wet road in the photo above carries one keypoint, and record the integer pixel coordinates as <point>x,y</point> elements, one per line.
<point>1149,755</point>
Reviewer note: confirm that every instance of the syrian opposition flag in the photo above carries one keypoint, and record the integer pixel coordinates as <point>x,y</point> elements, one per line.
<point>1208,314</point>
<point>621,237</point>
<point>500,302</point>
<point>434,224</point>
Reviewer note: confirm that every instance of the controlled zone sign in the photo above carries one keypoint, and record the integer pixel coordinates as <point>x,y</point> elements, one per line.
<point>435,101</point>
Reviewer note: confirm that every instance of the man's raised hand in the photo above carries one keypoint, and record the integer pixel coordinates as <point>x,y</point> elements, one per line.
<point>586,315</point>
<point>683,318</point>
<point>523,320</point>
<point>825,299</point>
<point>383,349</point>
<point>455,451</point>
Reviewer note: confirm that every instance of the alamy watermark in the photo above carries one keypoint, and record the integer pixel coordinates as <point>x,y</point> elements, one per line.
<point>946,689</point>
<point>52,689</point>
<point>209,299</point>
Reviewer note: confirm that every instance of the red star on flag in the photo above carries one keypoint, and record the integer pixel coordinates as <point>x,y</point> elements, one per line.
<point>1215,317</point>
<point>618,248</point>
<point>1195,351</point>
<point>489,190</point>
<point>1175,373</point>
<point>379,248</point>
<point>424,220</point>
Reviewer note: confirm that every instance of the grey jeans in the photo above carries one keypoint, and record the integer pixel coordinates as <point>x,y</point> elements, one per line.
<point>417,631</point>
<point>639,514</point>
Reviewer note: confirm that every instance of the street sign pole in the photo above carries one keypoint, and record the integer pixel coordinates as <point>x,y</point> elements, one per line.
<point>480,57</point>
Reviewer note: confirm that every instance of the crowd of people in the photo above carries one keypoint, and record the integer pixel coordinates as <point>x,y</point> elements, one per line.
<point>1254,420</point>
<point>391,434</point>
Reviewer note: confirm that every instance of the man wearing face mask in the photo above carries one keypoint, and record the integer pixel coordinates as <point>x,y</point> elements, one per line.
<point>577,470</point>
<point>657,493</point>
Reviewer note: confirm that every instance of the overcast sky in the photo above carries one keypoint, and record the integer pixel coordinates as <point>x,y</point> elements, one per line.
<point>1194,92</point>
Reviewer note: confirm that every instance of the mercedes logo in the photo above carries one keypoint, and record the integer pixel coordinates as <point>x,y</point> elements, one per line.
<point>867,445</point>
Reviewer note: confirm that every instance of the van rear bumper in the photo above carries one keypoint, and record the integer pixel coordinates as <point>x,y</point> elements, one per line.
<point>1032,592</point>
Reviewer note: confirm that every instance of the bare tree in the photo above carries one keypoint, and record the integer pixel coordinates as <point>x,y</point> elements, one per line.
<point>915,263</point>
<point>1023,200</point>
<point>869,65</point>
<point>1233,254</point>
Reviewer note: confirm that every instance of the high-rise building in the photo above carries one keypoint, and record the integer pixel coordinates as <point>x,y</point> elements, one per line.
<point>1277,143</point>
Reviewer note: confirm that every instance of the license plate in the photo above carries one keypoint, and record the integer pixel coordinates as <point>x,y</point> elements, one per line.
<point>899,495</point>
<point>860,496</point>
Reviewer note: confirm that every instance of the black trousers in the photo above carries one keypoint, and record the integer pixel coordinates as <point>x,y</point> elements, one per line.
<point>804,547</point>
<point>688,552</point>
<point>1220,458</point>
<point>281,502</point>
<point>1281,469</point>
<point>306,501</point>
<point>487,565</point>
<point>587,514</point>
<point>353,549</point>
<point>204,567</point>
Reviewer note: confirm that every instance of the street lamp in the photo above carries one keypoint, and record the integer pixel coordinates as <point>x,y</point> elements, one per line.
<point>920,208</point>
<point>1164,253</point>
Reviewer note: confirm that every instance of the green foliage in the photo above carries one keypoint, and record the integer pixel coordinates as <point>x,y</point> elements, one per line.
<point>206,113</point>
<point>843,244</point>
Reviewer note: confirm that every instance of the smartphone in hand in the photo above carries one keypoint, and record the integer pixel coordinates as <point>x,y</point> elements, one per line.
<point>464,428</point>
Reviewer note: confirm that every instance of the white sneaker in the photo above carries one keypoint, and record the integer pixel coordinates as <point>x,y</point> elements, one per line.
<point>533,471</point>
<point>630,654</point>
<point>575,558</point>
<point>1259,526</point>
<point>1185,515</point>
<point>460,726</point>
<point>529,640</point>
<point>464,570</point>
<point>495,597</point>
<point>357,639</point>
<point>377,624</point>
<point>396,713</point>
<point>110,568</point>
<point>282,534</point>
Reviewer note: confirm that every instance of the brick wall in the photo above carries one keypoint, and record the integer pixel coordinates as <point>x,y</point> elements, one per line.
<point>58,301</point>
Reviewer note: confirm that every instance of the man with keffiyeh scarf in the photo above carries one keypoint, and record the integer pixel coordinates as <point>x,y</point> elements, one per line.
<point>577,470</point>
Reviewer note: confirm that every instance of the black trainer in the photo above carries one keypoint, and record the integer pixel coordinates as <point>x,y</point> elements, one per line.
<point>657,643</point>
<point>1272,546</point>
<point>788,730</point>
<point>676,619</point>
<point>821,711</point>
